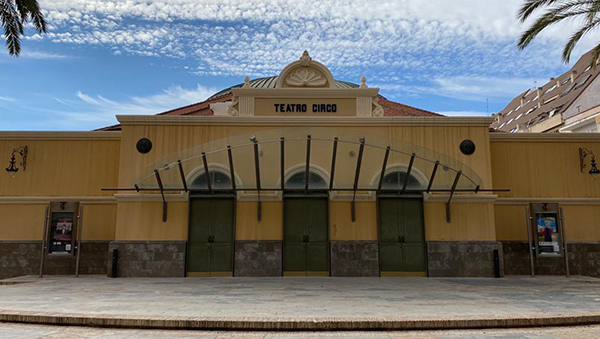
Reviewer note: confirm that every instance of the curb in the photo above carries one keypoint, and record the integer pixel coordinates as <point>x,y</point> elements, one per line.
<point>299,324</point>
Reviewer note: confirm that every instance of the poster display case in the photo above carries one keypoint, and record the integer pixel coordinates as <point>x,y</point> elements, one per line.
<point>547,230</point>
<point>63,227</point>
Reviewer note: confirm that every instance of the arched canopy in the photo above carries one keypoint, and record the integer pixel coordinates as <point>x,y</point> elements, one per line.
<point>218,181</point>
<point>396,179</point>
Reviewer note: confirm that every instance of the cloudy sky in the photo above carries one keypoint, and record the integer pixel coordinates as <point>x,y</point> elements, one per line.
<point>108,57</point>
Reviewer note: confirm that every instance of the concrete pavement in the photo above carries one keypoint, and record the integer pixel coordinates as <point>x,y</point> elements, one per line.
<point>303,303</point>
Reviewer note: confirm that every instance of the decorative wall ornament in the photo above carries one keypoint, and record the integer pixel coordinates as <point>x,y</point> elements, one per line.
<point>305,78</point>
<point>583,153</point>
<point>12,163</point>
<point>232,110</point>
<point>363,82</point>
<point>377,109</point>
<point>246,82</point>
<point>305,59</point>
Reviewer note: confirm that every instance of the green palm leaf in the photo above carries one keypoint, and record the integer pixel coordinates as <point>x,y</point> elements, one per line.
<point>14,14</point>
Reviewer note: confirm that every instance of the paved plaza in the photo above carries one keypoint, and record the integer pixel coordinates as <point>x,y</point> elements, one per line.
<point>353,300</point>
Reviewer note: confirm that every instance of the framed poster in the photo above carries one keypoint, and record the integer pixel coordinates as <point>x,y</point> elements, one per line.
<point>63,226</point>
<point>547,230</point>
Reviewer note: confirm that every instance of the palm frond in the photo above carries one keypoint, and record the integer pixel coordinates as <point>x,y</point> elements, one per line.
<point>530,6</point>
<point>576,37</point>
<point>31,9</point>
<point>550,18</point>
<point>595,56</point>
<point>13,26</point>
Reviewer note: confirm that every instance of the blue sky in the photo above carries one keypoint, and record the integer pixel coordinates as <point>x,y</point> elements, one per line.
<point>103,57</point>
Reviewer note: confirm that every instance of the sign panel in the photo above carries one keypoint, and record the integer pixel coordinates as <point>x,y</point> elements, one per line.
<point>305,107</point>
<point>63,226</point>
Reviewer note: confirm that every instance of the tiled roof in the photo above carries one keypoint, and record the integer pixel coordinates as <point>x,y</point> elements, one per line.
<point>390,108</point>
<point>552,98</point>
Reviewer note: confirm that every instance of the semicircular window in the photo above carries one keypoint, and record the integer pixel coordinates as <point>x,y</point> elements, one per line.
<point>395,180</point>
<point>218,181</point>
<point>298,181</point>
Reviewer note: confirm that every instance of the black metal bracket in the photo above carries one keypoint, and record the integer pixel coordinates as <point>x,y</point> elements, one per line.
<point>307,171</point>
<point>182,175</point>
<point>448,217</point>
<point>407,176</point>
<point>231,170</point>
<point>383,166</point>
<point>333,158</point>
<point>206,172</point>
<point>282,162</point>
<point>356,177</point>
<point>162,193</point>
<point>257,170</point>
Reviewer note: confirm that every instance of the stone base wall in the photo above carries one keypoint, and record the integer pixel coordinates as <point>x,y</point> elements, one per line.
<point>19,258</point>
<point>354,258</point>
<point>463,258</point>
<point>258,258</point>
<point>148,258</point>
<point>584,259</point>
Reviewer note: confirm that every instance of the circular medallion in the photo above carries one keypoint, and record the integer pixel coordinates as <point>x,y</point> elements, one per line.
<point>467,147</point>
<point>144,145</point>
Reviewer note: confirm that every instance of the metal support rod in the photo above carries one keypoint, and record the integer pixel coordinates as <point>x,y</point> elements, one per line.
<point>162,193</point>
<point>383,166</point>
<point>256,162</point>
<point>356,177</point>
<point>231,170</point>
<point>79,233</point>
<point>448,217</point>
<point>307,171</point>
<point>407,175</point>
<point>564,240</point>
<point>282,161</point>
<point>341,189</point>
<point>182,175</point>
<point>529,240</point>
<point>435,167</point>
<point>333,158</point>
<point>44,237</point>
<point>206,172</point>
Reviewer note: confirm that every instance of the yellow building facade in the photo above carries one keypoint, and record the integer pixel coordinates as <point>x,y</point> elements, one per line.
<point>302,178</point>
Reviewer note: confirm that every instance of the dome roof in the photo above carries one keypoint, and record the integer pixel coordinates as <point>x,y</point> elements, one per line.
<point>269,82</point>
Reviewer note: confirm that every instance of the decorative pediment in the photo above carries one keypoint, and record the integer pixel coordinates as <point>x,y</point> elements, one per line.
<point>305,72</point>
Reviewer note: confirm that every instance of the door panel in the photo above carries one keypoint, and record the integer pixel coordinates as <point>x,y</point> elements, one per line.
<point>210,242</point>
<point>388,221</point>
<point>222,220</point>
<point>317,257</point>
<point>294,257</point>
<point>306,236</point>
<point>390,257</point>
<point>402,236</point>
<point>222,257</point>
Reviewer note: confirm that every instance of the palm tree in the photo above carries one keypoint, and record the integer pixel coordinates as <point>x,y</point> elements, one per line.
<point>588,11</point>
<point>14,14</point>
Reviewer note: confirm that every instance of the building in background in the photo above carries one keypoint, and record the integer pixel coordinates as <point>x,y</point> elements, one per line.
<point>568,103</point>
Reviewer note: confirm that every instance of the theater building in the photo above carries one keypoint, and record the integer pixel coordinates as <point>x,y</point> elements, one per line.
<point>299,175</point>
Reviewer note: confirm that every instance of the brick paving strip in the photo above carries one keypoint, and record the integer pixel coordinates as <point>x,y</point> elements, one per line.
<point>300,324</point>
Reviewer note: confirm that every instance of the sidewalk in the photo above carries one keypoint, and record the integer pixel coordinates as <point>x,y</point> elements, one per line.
<point>303,303</point>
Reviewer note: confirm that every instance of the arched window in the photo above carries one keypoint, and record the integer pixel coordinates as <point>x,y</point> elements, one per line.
<point>298,181</point>
<point>395,180</point>
<point>218,181</point>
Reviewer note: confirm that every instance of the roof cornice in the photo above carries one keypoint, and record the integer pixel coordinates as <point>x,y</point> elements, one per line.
<point>545,137</point>
<point>303,121</point>
<point>60,135</point>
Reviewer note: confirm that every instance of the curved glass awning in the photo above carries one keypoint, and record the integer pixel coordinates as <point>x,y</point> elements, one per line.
<point>349,160</point>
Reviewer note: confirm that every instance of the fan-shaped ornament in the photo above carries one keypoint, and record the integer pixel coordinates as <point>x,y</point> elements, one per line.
<point>306,78</point>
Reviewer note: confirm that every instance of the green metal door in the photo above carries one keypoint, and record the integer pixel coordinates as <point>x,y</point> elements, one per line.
<point>401,237</point>
<point>210,244</point>
<point>306,237</point>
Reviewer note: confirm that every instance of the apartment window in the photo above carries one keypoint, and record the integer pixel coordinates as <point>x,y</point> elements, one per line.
<point>565,81</point>
<point>550,89</point>
<point>583,81</point>
<point>551,99</point>
<point>567,90</point>
<point>520,115</point>
<point>509,113</point>
<point>531,110</point>
<point>588,68</point>
<point>513,130</point>
<point>509,121</point>
<point>502,125</point>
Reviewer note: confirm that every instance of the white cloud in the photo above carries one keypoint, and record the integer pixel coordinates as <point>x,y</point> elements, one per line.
<point>6,99</point>
<point>101,111</point>
<point>26,54</point>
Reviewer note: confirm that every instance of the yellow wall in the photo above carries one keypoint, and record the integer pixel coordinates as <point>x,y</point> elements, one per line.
<point>143,221</point>
<point>470,222</point>
<point>249,228</point>
<point>582,223</point>
<point>542,169</point>
<point>62,167</point>
<point>99,222</point>
<point>342,227</point>
<point>21,222</point>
